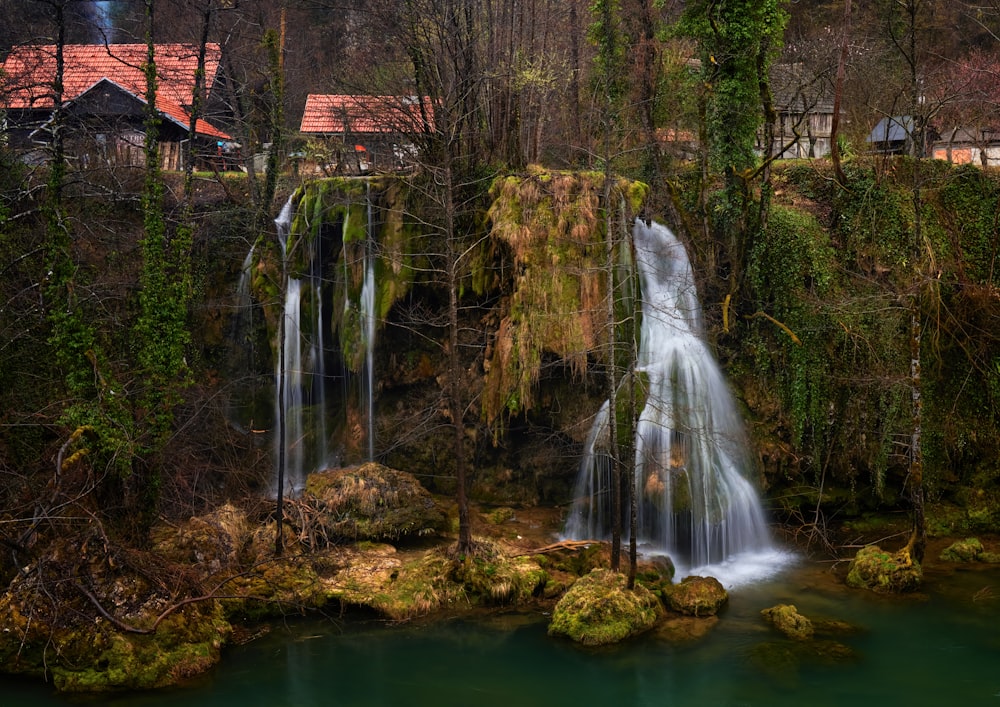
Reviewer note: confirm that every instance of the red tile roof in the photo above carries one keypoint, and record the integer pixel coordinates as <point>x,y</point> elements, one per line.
<point>169,110</point>
<point>29,70</point>
<point>359,115</point>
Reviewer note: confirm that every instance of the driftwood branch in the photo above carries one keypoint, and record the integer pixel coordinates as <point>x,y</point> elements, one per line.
<point>213,594</point>
<point>562,545</point>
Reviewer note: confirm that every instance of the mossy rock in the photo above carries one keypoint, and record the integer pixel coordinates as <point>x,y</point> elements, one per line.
<point>697,596</point>
<point>491,578</point>
<point>372,502</point>
<point>968,550</point>
<point>598,610</point>
<point>581,561</point>
<point>884,572</point>
<point>787,619</point>
<point>656,574</point>
<point>210,543</point>
<point>187,643</point>
<point>276,587</point>
<point>80,650</point>
<point>375,577</point>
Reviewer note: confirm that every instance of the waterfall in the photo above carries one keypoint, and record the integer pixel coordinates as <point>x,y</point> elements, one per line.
<point>304,422</point>
<point>300,371</point>
<point>694,502</point>
<point>363,308</point>
<point>368,330</point>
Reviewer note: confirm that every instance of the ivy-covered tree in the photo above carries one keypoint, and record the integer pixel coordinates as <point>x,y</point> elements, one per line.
<point>737,42</point>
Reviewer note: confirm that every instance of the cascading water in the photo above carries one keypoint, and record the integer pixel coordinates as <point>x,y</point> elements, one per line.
<point>302,418</point>
<point>300,375</point>
<point>693,501</point>
<point>368,331</point>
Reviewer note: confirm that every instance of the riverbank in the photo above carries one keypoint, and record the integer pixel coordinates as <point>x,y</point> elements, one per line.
<point>936,646</point>
<point>92,617</point>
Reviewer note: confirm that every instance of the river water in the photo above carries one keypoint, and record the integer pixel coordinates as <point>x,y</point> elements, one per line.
<point>940,647</point>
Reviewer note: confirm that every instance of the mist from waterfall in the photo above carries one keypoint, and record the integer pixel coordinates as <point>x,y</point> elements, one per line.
<point>694,501</point>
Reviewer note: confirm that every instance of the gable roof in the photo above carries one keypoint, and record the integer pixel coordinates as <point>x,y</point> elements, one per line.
<point>894,129</point>
<point>341,114</point>
<point>795,89</point>
<point>29,71</point>
<point>168,109</point>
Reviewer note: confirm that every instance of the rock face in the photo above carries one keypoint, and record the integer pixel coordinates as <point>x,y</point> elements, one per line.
<point>787,619</point>
<point>884,572</point>
<point>697,596</point>
<point>598,610</point>
<point>371,502</point>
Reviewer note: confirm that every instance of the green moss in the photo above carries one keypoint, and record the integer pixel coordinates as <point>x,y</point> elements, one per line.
<point>553,225</point>
<point>968,550</point>
<point>883,572</point>
<point>438,580</point>
<point>787,619</point>
<point>697,596</point>
<point>88,658</point>
<point>276,587</point>
<point>598,610</point>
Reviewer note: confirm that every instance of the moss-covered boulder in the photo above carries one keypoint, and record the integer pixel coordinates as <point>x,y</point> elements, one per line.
<point>98,621</point>
<point>371,502</point>
<point>377,577</point>
<point>598,609</point>
<point>968,550</point>
<point>787,619</point>
<point>209,544</point>
<point>697,596</point>
<point>884,572</point>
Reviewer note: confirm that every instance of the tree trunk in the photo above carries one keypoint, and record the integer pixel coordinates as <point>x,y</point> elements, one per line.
<point>456,407</point>
<point>612,376</point>
<point>838,92</point>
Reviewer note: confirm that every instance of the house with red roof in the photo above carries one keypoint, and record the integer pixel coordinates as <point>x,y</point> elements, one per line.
<point>367,133</point>
<point>104,100</point>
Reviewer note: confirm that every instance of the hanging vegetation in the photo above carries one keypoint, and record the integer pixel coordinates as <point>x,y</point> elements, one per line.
<point>339,223</point>
<point>554,226</point>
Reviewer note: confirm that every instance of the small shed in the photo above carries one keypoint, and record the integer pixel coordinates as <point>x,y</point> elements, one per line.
<point>803,102</point>
<point>893,135</point>
<point>107,122</point>
<point>368,133</point>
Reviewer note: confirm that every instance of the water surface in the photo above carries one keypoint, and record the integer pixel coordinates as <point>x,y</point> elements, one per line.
<point>941,647</point>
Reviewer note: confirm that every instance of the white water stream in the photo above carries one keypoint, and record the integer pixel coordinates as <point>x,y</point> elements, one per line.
<point>301,371</point>
<point>694,500</point>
